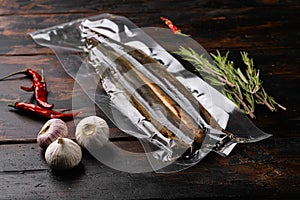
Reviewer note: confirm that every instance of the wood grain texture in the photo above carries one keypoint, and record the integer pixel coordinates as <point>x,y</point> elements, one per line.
<point>217,26</point>
<point>256,170</point>
<point>267,29</point>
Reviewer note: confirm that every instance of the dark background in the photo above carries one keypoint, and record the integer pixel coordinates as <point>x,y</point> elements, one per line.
<point>267,29</point>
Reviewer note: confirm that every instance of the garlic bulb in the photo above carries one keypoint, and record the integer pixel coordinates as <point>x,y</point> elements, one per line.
<point>63,153</point>
<point>51,130</point>
<point>92,132</point>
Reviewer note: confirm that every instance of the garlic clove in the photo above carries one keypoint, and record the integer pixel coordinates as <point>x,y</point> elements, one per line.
<point>92,132</point>
<point>63,154</point>
<point>50,131</point>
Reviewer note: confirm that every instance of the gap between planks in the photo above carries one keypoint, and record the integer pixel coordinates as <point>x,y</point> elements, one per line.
<point>33,140</point>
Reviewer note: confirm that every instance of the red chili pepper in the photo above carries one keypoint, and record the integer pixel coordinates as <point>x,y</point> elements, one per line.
<point>170,24</point>
<point>38,86</point>
<point>42,112</point>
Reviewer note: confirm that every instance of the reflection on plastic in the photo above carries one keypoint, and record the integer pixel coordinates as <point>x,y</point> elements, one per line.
<point>99,49</point>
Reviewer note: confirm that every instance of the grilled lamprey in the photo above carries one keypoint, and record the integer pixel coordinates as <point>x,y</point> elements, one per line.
<point>150,86</point>
<point>160,71</point>
<point>144,111</point>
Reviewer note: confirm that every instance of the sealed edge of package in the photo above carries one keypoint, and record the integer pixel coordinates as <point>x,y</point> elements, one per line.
<point>178,117</point>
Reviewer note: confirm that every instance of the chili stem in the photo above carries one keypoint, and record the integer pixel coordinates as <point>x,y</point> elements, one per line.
<point>43,78</point>
<point>12,105</point>
<point>14,73</point>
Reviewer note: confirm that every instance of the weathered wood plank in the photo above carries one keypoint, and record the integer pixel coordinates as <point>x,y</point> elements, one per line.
<point>28,7</point>
<point>14,32</point>
<point>60,92</point>
<point>268,29</point>
<point>246,28</point>
<point>15,125</point>
<point>279,80</point>
<point>260,169</point>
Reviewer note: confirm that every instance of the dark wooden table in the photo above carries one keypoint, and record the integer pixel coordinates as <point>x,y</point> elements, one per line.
<point>267,29</point>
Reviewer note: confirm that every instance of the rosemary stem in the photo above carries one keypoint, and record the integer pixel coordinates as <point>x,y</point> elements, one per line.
<point>243,88</point>
<point>280,106</point>
<point>265,102</point>
<point>244,105</point>
<point>226,82</point>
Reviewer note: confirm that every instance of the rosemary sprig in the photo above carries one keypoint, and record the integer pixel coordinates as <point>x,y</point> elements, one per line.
<point>244,89</point>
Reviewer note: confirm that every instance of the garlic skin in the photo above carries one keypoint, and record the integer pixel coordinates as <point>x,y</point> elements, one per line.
<point>63,154</point>
<point>92,132</point>
<point>50,131</point>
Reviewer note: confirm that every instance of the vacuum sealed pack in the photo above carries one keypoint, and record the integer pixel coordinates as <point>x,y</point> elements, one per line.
<point>131,74</point>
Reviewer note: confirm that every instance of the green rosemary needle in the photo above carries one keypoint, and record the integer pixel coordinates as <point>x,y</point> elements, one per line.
<point>244,89</point>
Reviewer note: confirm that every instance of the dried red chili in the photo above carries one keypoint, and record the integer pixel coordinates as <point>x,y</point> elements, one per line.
<point>38,86</point>
<point>170,24</point>
<point>42,112</point>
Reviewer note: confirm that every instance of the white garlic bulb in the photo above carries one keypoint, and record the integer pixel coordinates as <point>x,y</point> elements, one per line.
<point>92,132</point>
<point>63,153</point>
<point>51,130</point>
